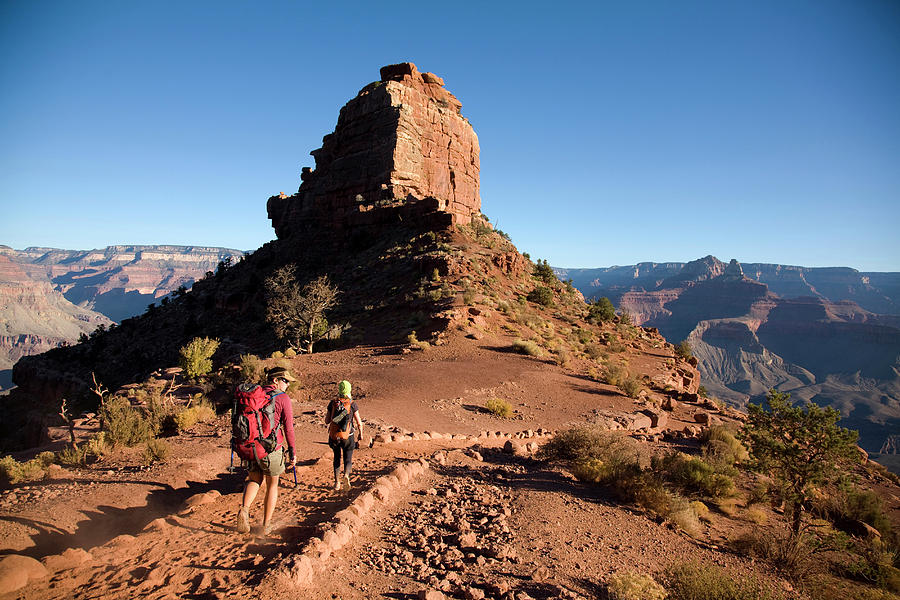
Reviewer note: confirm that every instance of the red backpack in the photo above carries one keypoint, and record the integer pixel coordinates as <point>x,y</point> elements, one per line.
<point>254,424</point>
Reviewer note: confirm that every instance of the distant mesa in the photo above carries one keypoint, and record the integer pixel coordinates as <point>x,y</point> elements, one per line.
<point>402,141</point>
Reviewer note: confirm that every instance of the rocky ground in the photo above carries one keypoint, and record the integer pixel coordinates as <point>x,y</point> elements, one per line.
<point>448,500</point>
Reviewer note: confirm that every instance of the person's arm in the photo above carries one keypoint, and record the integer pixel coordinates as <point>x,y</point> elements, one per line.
<point>328,413</point>
<point>359,428</point>
<point>287,414</point>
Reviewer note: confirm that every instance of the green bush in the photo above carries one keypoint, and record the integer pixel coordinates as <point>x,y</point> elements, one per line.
<point>13,472</point>
<point>499,407</point>
<point>123,423</point>
<point>541,295</point>
<point>277,354</point>
<point>196,356</point>
<point>562,356</point>
<point>841,505</point>
<point>290,353</point>
<point>156,450</point>
<point>527,347</point>
<point>601,311</point>
<point>190,416</point>
<point>544,272</point>
<point>634,586</point>
<point>695,581</point>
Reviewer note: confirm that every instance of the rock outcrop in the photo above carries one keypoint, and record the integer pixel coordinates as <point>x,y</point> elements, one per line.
<point>402,142</point>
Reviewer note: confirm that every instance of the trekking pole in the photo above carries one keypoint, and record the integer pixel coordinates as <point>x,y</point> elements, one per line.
<point>295,474</point>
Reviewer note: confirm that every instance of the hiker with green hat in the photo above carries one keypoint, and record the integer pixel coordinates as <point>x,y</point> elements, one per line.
<point>344,432</point>
<point>273,464</point>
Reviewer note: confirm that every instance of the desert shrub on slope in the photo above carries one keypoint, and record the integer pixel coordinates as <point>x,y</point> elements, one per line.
<point>196,356</point>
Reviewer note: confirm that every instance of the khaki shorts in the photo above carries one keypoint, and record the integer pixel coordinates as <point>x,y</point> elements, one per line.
<point>272,465</point>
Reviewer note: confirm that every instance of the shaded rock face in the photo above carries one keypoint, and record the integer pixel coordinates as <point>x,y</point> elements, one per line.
<point>402,143</point>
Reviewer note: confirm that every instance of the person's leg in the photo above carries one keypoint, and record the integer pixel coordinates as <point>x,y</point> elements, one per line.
<point>336,448</point>
<point>348,459</point>
<point>271,499</point>
<point>251,487</point>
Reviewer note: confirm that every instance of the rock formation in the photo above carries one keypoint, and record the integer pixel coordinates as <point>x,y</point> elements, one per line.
<point>401,142</point>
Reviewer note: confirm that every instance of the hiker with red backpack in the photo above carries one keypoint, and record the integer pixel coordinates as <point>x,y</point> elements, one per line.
<point>344,432</point>
<point>262,430</point>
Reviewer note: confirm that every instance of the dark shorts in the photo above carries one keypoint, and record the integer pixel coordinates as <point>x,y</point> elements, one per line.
<point>272,465</point>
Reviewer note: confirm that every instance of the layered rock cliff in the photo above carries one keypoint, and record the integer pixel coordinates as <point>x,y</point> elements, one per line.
<point>755,327</point>
<point>401,141</point>
<point>50,297</point>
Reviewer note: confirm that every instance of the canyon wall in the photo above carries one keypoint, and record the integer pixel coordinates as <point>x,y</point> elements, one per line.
<point>812,332</point>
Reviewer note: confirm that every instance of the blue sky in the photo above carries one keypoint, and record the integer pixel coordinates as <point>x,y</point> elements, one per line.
<point>611,132</point>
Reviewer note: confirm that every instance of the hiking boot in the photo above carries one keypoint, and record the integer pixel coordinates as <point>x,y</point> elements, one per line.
<point>345,480</point>
<point>243,521</point>
<point>267,529</point>
<point>337,485</point>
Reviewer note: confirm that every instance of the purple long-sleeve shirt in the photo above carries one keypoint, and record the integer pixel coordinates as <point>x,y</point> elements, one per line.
<point>285,413</point>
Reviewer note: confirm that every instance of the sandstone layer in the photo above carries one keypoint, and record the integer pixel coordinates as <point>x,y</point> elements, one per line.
<point>401,142</point>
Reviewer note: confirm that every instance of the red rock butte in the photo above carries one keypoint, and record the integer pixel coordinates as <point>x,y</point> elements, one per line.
<point>401,147</point>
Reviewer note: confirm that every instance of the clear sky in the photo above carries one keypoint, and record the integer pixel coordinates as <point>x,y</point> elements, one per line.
<point>611,132</point>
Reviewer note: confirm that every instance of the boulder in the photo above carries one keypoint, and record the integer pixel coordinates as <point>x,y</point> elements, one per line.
<point>16,571</point>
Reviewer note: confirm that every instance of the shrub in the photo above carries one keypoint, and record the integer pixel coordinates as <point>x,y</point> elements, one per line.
<point>722,448</point>
<point>843,505</point>
<point>789,554</point>
<point>695,581</point>
<point>561,356</point>
<point>414,341</point>
<point>277,354</point>
<point>123,423</point>
<point>12,471</point>
<point>634,586</point>
<point>290,353</point>
<point>616,374</point>
<point>527,347</point>
<point>541,295</point>
<point>595,351</point>
<point>693,475</point>
<point>544,272</point>
<point>499,407</point>
<point>156,450</point>
<point>252,368</point>
<point>683,350</point>
<point>196,356</point>
<point>201,412</point>
<point>757,515</point>
<point>601,311</point>
<point>631,387</point>
<point>468,297</point>
<point>72,456</point>
<point>682,513</point>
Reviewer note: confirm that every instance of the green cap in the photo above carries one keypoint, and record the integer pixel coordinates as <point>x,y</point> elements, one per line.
<point>344,389</point>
